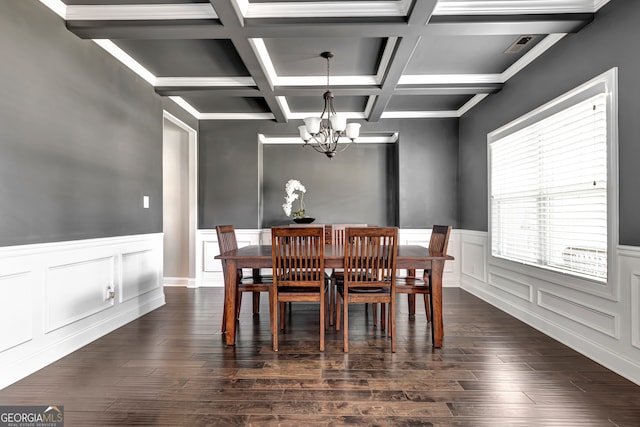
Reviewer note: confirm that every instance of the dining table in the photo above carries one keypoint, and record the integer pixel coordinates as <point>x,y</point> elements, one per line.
<point>410,257</point>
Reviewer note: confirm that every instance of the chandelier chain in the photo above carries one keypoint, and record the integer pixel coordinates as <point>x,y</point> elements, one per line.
<point>328,72</point>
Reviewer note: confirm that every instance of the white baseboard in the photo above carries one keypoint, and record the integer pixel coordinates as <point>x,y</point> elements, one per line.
<point>186,282</point>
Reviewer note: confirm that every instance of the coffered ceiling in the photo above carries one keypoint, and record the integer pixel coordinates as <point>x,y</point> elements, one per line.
<point>260,59</point>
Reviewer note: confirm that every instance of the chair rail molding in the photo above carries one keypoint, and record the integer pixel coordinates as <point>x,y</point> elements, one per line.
<point>61,296</point>
<point>603,326</point>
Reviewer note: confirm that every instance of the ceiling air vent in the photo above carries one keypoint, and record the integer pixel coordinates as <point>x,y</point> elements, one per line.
<point>519,44</point>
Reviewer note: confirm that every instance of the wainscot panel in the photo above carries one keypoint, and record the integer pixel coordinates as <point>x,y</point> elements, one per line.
<point>61,296</point>
<point>16,289</point>
<point>209,269</point>
<point>505,282</point>
<point>77,289</point>
<point>583,314</point>
<point>141,273</point>
<point>473,259</point>
<point>635,310</point>
<point>600,321</point>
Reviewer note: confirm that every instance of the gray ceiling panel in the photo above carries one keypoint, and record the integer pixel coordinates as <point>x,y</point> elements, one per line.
<point>316,103</point>
<point>466,54</point>
<point>186,58</point>
<point>226,104</point>
<point>301,57</point>
<point>261,58</point>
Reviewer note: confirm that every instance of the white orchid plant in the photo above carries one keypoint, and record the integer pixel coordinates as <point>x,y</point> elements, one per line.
<point>290,189</point>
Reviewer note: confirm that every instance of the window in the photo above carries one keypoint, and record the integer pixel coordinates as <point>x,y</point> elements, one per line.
<point>549,184</point>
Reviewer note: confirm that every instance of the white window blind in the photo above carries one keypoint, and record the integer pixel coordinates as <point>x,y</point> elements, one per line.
<point>549,191</point>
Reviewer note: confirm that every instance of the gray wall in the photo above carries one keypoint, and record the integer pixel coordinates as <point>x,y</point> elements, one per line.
<point>228,175</point>
<point>428,173</point>
<point>610,41</point>
<point>80,136</point>
<point>412,184</point>
<point>357,186</point>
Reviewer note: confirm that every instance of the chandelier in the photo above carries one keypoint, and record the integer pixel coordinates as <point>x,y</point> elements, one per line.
<point>323,133</point>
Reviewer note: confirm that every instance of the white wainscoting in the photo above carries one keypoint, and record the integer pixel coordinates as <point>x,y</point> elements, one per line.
<point>209,270</point>
<point>451,275</point>
<point>58,297</point>
<point>601,321</point>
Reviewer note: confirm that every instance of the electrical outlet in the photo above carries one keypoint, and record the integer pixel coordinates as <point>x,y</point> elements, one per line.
<point>109,294</point>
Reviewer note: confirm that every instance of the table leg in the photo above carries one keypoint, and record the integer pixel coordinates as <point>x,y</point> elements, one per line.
<point>256,295</point>
<point>411,298</point>
<point>437,326</point>
<point>230,301</point>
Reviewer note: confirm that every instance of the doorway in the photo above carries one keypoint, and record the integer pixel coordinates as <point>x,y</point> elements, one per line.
<point>179,206</point>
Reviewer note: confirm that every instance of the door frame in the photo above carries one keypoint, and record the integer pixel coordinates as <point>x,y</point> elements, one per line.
<point>193,192</point>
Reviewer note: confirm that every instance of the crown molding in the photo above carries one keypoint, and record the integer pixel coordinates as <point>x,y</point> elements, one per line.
<point>362,139</point>
<point>334,9</point>
<point>321,81</point>
<point>205,81</point>
<point>128,12</point>
<point>236,116</point>
<point>127,60</point>
<point>513,7</point>
<point>471,103</point>
<point>438,79</point>
<point>419,114</point>
<point>304,114</point>
<point>186,106</point>
<point>56,6</point>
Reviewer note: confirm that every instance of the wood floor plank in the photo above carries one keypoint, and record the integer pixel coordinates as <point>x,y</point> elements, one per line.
<point>172,368</point>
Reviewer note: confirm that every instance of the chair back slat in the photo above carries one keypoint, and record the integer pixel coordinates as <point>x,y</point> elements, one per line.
<point>298,255</point>
<point>338,232</point>
<point>370,256</point>
<point>226,238</point>
<point>439,240</point>
<point>227,242</point>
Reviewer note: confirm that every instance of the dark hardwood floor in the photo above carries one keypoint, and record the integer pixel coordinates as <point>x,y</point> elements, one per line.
<point>172,368</point>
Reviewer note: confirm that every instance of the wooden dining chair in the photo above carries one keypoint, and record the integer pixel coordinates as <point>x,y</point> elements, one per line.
<point>255,284</point>
<point>337,239</point>
<point>369,274</point>
<point>297,255</point>
<point>412,285</point>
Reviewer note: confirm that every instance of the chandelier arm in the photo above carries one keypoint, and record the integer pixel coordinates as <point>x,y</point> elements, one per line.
<point>319,150</point>
<point>318,141</point>
<point>326,110</point>
<point>346,145</point>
